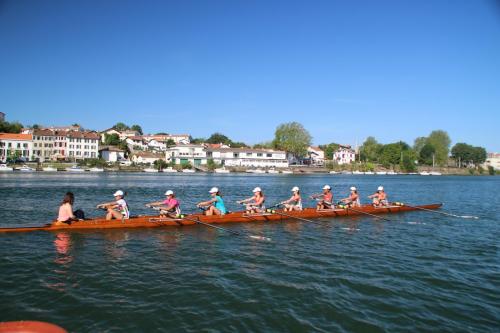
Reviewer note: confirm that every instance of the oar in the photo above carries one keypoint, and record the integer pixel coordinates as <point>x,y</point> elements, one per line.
<point>228,230</point>
<point>183,217</point>
<point>361,212</point>
<point>438,212</point>
<point>293,217</point>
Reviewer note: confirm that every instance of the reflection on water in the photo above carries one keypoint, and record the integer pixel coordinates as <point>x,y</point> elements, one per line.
<point>62,243</point>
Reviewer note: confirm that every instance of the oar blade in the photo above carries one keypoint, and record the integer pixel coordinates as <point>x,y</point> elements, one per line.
<point>262,238</point>
<point>469,217</point>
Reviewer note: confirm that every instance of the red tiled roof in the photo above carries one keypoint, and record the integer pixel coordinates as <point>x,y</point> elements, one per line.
<point>15,136</point>
<point>84,135</point>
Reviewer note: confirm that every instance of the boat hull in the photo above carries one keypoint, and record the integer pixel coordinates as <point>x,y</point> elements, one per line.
<point>154,221</point>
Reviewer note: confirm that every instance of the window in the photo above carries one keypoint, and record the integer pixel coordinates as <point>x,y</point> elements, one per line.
<point>249,154</point>
<point>259,154</point>
<point>236,155</point>
<point>269,155</point>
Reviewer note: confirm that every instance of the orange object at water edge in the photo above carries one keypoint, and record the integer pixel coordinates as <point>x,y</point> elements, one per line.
<point>29,326</point>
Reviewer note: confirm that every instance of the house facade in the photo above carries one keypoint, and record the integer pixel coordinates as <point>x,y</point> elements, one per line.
<point>16,145</point>
<point>316,156</point>
<point>49,144</point>
<point>344,155</point>
<point>248,157</point>
<point>187,153</point>
<point>146,157</point>
<point>111,154</point>
<point>81,145</point>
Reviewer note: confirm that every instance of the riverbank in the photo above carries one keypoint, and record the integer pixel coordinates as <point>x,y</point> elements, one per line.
<point>294,169</point>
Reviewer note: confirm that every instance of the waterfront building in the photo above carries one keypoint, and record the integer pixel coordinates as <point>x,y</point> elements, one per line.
<point>344,155</point>
<point>137,143</point>
<point>15,146</point>
<point>49,144</point>
<point>111,154</point>
<point>109,131</point>
<point>177,138</point>
<point>316,156</point>
<point>248,157</point>
<point>184,153</point>
<point>81,145</point>
<point>493,159</point>
<point>146,157</point>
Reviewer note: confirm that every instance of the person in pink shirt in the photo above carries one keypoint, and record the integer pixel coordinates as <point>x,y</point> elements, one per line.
<point>169,207</point>
<point>66,209</point>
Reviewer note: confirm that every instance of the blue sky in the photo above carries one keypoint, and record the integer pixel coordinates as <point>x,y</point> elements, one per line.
<point>344,69</point>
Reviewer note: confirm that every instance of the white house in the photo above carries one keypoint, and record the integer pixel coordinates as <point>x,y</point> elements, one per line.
<point>493,160</point>
<point>112,154</point>
<point>109,131</point>
<point>16,145</point>
<point>184,153</point>
<point>81,145</point>
<point>344,155</point>
<point>146,157</point>
<point>154,144</point>
<point>316,155</point>
<point>136,142</point>
<point>248,157</point>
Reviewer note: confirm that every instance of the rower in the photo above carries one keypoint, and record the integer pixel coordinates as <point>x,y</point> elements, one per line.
<point>379,198</point>
<point>215,204</point>
<point>353,199</point>
<point>295,201</point>
<point>170,207</point>
<point>117,209</point>
<point>325,199</point>
<point>66,210</point>
<point>254,204</point>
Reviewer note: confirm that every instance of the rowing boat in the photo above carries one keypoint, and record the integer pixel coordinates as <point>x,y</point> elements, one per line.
<point>152,221</point>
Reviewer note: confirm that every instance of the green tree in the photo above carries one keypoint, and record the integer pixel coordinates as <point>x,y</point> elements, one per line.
<point>160,164</point>
<point>137,128</point>
<point>419,143</point>
<point>370,150</point>
<point>170,143</point>
<point>120,127</point>
<point>441,142</point>
<point>329,149</point>
<point>196,141</point>
<point>35,126</point>
<point>408,161</point>
<point>219,138</point>
<point>6,127</point>
<point>466,153</point>
<point>426,154</point>
<point>211,165</point>
<point>111,139</point>
<point>293,138</point>
<point>239,145</point>
<point>161,133</point>
<point>263,145</point>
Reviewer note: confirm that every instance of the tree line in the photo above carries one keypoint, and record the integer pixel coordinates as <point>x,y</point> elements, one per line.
<point>430,150</point>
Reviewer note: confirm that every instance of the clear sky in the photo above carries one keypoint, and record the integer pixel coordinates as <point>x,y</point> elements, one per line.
<point>344,69</point>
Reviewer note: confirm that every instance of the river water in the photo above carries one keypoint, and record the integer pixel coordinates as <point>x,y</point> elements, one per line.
<point>420,272</point>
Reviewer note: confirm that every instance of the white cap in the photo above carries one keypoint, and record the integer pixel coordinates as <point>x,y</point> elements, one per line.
<point>295,189</point>
<point>326,187</point>
<point>169,192</point>
<point>353,188</point>
<point>118,193</point>
<point>380,188</point>
<point>257,189</point>
<point>213,190</point>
